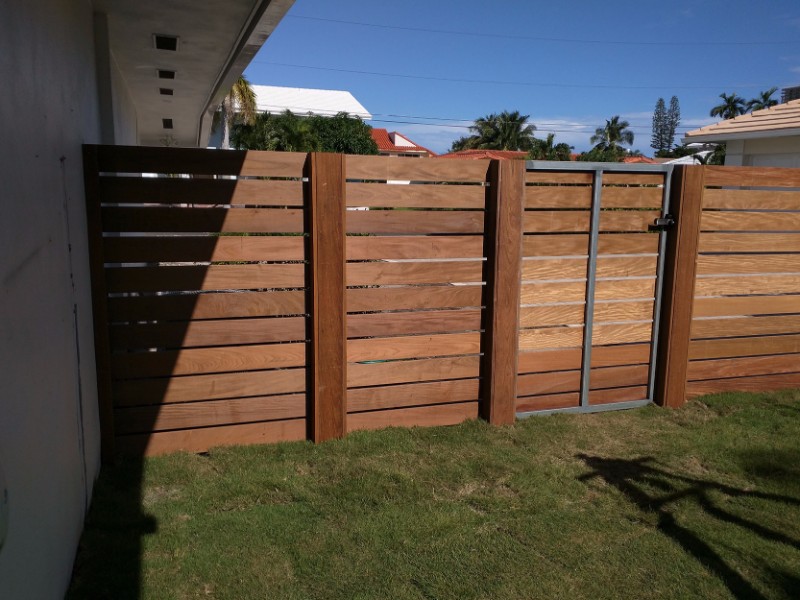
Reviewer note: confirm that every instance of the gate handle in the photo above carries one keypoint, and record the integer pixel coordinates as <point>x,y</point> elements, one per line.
<point>662,223</point>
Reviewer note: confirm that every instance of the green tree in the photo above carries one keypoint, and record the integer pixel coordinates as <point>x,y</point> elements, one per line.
<point>658,140</point>
<point>614,133</point>
<point>763,100</point>
<point>503,131</point>
<point>732,106</point>
<point>547,149</point>
<point>343,133</point>
<point>465,142</point>
<point>238,105</point>
<point>673,119</point>
<point>598,154</point>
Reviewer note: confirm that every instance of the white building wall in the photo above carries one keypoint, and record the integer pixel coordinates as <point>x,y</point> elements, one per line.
<point>49,427</point>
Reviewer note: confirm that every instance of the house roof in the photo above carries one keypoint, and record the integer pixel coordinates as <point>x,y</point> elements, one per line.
<point>477,154</point>
<point>780,120</point>
<point>644,160</point>
<point>302,101</point>
<point>391,141</point>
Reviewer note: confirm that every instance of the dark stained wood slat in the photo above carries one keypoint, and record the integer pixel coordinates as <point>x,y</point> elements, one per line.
<point>614,395</point>
<point>202,249</point>
<point>413,394</point>
<point>415,196</point>
<point>760,383</point>
<point>548,402</point>
<point>439,321</point>
<point>570,358</point>
<point>738,367</point>
<point>750,346</point>
<point>420,346</point>
<point>189,220</point>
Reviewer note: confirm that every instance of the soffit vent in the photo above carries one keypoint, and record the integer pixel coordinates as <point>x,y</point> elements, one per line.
<point>166,42</point>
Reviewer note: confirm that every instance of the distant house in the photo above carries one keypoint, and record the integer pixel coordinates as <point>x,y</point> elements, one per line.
<point>640,160</point>
<point>477,154</point>
<point>764,138</point>
<point>391,143</point>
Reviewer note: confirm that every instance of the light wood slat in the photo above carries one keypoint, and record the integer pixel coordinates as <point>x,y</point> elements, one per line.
<point>225,220</point>
<point>143,419</point>
<point>188,334</point>
<point>745,284</point>
<point>202,249</point>
<point>761,383</point>
<point>739,367</point>
<point>439,321</point>
<point>616,377</point>
<point>419,346</point>
<point>366,299</point>
<point>383,168</point>
<point>736,264</point>
<point>413,394</point>
<point>196,361</point>
<point>412,371</point>
<point>395,273</point>
<point>749,242</point>
<point>556,382</point>
<point>613,289</point>
<point>558,197</point>
<point>753,346</point>
<point>549,221</point>
<point>554,337</point>
<point>208,387</point>
<point>623,333</point>
<point>572,314</point>
<point>623,311</point>
<point>560,177</point>
<point>571,244</point>
<point>750,221</point>
<point>565,359</point>
<point>139,159</point>
<point>614,395</point>
<point>414,246</point>
<point>632,197</point>
<point>200,440</point>
<point>548,402</point>
<point>167,190</point>
<point>749,305</point>
<point>707,328</point>
<point>632,179</point>
<point>575,268</point>
<point>627,221</point>
<point>416,221</point>
<point>227,277</point>
<point>421,416</point>
<point>751,177</point>
<point>744,199</point>
<point>415,196</point>
<point>206,306</point>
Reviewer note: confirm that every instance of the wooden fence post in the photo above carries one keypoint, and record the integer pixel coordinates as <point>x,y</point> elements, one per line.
<point>326,362</point>
<point>502,273</point>
<point>102,351</point>
<point>678,292</point>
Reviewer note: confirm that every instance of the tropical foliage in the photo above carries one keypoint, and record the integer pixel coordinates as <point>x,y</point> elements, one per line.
<point>547,149</point>
<point>503,131</point>
<point>238,106</point>
<point>610,137</point>
<point>763,100</point>
<point>731,106</point>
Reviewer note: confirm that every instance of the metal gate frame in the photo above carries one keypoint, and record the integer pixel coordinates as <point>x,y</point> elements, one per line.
<point>598,169</point>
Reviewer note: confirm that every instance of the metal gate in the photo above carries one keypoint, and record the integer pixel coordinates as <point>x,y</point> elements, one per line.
<point>592,276</point>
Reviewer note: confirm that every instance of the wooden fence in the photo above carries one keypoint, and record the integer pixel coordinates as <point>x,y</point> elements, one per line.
<point>245,297</point>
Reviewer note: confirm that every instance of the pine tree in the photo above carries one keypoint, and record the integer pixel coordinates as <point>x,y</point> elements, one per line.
<point>658,140</point>
<point>673,119</point>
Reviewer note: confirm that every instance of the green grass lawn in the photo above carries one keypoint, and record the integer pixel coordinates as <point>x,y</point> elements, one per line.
<point>700,502</point>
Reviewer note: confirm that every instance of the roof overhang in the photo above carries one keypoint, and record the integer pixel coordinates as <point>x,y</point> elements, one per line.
<point>751,135</point>
<point>216,41</point>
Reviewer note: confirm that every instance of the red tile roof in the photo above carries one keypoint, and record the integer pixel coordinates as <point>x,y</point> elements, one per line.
<point>476,154</point>
<point>639,159</point>
<point>383,138</point>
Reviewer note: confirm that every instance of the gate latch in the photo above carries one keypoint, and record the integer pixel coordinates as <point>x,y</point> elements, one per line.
<point>662,223</point>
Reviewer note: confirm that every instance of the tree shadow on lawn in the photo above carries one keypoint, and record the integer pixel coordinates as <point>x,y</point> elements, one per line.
<point>634,477</point>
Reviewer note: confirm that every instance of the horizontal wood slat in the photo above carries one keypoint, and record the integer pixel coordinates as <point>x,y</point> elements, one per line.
<point>750,221</point>
<point>420,416</point>
<point>411,371</point>
<point>747,284</point>
<point>611,396</point>
<point>208,387</point>
<point>560,177</point>
<point>555,382</point>
<point>751,346</point>
<point>381,168</point>
<point>414,246</point>
<point>396,273</point>
<point>189,220</point>
<point>565,337</point>
<point>736,327</point>
<point>166,190</point>
<point>613,289</point>
<point>635,179</point>
<point>408,221</point>
<point>566,359</point>
<point>749,242</point>
<point>202,249</point>
<point>631,197</point>
<point>550,221</point>
<point>570,244</point>
<point>747,305</point>
<point>558,197</point>
<point>413,394</point>
<point>206,306</point>
<point>738,367</point>
<point>438,321</point>
<point>760,383</point>
<point>569,314</point>
<point>548,402</point>
<point>575,268</point>
<point>142,419</point>
<point>415,196</point>
<point>741,264</point>
<point>412,347</point>
<point>743,199</point>
<point>365,299</point>
<point>227,277</point>
<point>751,176</point>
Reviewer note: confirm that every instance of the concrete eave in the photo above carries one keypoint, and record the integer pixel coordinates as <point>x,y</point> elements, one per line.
<point>752,135</point>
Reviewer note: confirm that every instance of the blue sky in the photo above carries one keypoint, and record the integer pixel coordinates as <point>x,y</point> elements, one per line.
<point>427,69</point>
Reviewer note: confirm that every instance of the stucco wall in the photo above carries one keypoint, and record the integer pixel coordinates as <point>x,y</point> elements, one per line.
<point>765,152</point>
<point>49,432</point>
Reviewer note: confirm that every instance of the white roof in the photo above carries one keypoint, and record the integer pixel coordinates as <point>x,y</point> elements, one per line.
<point>302,101</point>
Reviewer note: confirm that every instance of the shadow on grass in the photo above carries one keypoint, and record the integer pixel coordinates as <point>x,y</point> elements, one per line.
<point>636,478</point>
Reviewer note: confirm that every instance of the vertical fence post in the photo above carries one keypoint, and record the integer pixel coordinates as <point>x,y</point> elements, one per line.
<point>102,351</point>
<point>678,291</point>
<point>326,362</point>
<point>502,273</point>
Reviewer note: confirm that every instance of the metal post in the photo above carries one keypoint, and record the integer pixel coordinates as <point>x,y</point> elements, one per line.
<point>591,276</point>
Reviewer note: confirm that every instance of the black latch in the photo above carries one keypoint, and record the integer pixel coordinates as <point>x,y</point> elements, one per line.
<point>662,223</point>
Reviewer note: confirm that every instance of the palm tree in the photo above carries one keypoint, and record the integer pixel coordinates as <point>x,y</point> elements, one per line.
<point>763,100</point>
<point>547,149</point>
<point>238,104</point>
<point>504,131</point>
<point>610,137</point>
<point>732,106</point>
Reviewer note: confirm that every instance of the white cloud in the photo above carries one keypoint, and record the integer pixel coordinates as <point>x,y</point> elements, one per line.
<point>795,69</point>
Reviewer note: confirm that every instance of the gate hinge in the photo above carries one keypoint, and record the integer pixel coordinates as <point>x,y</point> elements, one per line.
<point>662,223</point>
